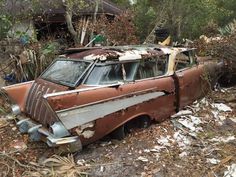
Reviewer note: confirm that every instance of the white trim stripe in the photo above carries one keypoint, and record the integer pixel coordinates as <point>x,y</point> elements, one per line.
<point>82,115</point>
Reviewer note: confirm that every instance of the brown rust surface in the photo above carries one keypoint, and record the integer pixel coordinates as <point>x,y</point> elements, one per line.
<point>158,109</point>
<point>36,107</point>
<point>81,98</point>
<point>112,53</point>
<point>18,93</point>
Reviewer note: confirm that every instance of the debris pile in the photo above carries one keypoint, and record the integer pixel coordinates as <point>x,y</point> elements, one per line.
<point>221,48</point>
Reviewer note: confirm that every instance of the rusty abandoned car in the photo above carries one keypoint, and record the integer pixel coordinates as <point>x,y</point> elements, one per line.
<point>88,93</point>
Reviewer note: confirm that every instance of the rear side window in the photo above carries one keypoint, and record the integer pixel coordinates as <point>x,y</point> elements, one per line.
<point>153,67</point>
<point>184,60</point>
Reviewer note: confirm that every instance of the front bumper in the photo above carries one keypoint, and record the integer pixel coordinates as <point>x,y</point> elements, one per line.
<point>39,133</point>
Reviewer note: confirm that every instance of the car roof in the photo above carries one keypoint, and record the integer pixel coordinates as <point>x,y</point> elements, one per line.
<point>121,53</point>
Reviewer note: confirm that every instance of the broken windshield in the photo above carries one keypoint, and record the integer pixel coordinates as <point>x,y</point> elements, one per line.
<point>66,72</point>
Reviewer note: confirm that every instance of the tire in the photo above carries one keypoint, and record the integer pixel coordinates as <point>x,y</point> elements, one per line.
<point>144,122</point>
<point>119,133</point>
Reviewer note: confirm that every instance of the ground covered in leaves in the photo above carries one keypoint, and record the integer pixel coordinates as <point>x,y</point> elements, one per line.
<point>198,141</point>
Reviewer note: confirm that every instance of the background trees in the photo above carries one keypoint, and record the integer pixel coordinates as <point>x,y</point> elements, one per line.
<point>183,18</point>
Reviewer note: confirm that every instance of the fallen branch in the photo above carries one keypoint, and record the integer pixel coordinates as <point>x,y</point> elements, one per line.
<point>8,168</point>
<point>4,125</point>
<point>222,162</point>
<point>17,161</point>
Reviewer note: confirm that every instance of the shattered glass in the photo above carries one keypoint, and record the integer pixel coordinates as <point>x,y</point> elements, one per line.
<point>66,72</point>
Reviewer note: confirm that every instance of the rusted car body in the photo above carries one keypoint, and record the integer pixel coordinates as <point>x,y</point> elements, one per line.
<point>87,93</point>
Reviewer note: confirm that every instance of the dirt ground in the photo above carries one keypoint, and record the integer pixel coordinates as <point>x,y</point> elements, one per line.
<point>199,141</point>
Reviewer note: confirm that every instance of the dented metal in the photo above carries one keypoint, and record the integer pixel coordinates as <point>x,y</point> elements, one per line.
<point>119,84</point>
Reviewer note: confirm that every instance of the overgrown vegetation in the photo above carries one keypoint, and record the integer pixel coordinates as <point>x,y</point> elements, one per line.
<point>183,19</point>
<point>120,31</point>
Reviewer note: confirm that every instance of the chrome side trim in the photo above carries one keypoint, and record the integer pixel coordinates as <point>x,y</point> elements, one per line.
<point>79,90</point>
<point>81,115</point>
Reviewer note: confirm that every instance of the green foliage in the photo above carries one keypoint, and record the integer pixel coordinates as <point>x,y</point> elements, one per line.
<point>228,29</point>
<point>50,48</point>
<point>145,17</point>
<point>230,6</point>
<point>122,3</point>
<point>184,18</point>
<point>5,26</point>
<point>2,111</point>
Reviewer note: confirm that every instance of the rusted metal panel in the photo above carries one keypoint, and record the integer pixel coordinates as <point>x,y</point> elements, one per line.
<point>36,107</point>
<point>81,97</point>
<point>84,114</point>
<point>189,85</point>
<point>158,108</point>
<point>14,90</point>
<point>132,53</point>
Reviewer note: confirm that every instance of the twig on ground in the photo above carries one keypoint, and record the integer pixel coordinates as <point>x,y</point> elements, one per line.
<point>17,161</point>
<point>8,168</point>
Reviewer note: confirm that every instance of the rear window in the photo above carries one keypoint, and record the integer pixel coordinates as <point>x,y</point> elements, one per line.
<point>65,72</point>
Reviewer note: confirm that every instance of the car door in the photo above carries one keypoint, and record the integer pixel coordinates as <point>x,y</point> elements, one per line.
<point>188,73</point>
<point>151,78</point>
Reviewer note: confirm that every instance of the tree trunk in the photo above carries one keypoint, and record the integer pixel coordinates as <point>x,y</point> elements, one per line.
<point>94,19</point>
<point>68,17</point>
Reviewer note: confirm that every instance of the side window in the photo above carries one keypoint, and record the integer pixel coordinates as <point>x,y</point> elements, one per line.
<point>105,74</point>
<point>184,60</point>
<point>151,68</point>
<point>193,57</point>
<point>130,69</point>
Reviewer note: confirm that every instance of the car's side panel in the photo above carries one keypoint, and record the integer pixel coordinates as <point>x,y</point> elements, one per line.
<point>157,109</point>
<point>85,113</point>
<point>189,80</point>
<point>113,106</point>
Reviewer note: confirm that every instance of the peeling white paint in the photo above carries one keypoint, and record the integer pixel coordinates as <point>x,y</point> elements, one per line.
<point>81,130</point>
<point>88,133</point>
<point>94,57</point>
<point>132,55</point>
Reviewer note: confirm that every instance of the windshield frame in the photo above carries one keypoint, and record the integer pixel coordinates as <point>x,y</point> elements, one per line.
<point>91,62</point>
